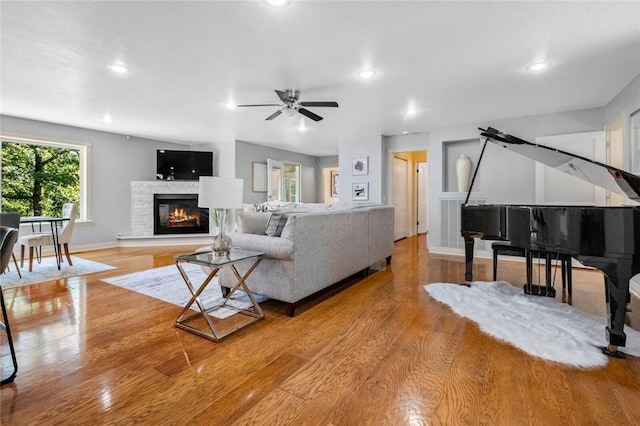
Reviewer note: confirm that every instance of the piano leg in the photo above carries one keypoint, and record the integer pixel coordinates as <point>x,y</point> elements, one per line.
<point>617,278</point>
<point>468,258</point>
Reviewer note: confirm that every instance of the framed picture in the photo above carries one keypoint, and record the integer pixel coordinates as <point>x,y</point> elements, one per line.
<point>360,191</point>
<point>258,177</point>
<point>335,178</point>
<point>360,166</point>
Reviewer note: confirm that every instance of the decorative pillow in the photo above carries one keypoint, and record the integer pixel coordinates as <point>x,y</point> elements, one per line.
<point>253,223</point>
<point>276,224</point>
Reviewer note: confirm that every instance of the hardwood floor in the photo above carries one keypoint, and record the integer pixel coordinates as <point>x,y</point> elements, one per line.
<point>378,352</point>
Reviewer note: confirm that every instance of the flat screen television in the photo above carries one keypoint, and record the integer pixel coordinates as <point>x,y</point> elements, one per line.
<point>183,165</point>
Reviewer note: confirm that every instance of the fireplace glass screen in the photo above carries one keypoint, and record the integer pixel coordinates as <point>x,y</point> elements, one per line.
<point>179,214</point>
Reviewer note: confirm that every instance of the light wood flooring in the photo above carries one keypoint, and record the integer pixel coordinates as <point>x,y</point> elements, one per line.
<point>378,352</point>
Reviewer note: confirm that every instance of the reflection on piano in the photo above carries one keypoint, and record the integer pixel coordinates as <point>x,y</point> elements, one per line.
<point>606,238</point>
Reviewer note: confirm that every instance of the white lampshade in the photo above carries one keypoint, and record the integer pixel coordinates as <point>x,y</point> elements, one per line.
<point>220,193</point>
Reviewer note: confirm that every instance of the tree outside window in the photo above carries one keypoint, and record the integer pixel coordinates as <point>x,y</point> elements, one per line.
<point>39,179</point>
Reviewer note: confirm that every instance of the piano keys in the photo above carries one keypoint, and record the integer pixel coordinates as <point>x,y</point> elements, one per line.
<point>606,238</point>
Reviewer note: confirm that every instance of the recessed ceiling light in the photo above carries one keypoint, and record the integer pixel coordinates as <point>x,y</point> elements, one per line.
<point>278,3</point>
<point>107,118</point>
<point>412,111</point>
<point>365,74</point>
<point>118,68</point>
<point>538,66</point>
<point>405,133</point>
<point>230,105</point>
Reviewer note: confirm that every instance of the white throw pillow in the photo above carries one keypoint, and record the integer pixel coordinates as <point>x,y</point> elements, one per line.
<point>253,222</point>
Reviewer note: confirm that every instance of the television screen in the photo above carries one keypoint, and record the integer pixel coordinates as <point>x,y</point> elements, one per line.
<point>183,165</point>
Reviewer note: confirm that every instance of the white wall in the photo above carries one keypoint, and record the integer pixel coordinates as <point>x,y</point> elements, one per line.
<point>116,162</point>
<point>246,153</point>
<point>224,154</point>
<point>618,111</point>
<point>506,177</point>
<point>360,146</point>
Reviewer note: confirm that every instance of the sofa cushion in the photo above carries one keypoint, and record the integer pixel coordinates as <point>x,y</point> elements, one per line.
<point>253,222</point>
<point>276,223</point>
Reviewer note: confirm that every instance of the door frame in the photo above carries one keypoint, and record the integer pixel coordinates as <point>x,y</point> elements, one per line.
<point>413,195</point>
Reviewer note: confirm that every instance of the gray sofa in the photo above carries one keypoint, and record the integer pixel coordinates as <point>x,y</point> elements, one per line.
<point>319,245</point>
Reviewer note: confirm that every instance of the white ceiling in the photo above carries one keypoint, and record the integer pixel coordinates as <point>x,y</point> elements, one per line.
<point>454,62</point>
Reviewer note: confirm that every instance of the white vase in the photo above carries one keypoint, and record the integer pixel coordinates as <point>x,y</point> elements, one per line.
<point>463,172</point>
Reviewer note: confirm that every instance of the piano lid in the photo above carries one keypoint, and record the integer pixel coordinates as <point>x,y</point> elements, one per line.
<point>602,175</point>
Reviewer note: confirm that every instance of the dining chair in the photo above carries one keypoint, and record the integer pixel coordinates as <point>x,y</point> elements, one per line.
<point>12,220</point>
<point>69,211</point>
<point>8,237</point>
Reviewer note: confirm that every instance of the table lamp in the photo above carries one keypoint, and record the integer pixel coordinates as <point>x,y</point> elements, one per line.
<point>220,194</point>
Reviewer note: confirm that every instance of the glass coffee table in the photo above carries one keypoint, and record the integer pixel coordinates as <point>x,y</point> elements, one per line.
<point>220,320</point>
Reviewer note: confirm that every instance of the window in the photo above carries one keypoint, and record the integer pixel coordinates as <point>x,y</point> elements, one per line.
<point>39,176</point>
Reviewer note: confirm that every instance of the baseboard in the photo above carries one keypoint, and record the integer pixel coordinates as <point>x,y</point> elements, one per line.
<point>126,240</point>
<point>459,252</point>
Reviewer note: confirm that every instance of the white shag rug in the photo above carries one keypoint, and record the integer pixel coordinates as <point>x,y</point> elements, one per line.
<point>166,283</point>
<point>541,326</point>
<point>47,270</point>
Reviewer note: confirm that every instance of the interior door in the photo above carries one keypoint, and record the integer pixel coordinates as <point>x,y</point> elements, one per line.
<point>556,187</point>
<point>400,198</point>
<point>423,196</point>
<point>275,180</point>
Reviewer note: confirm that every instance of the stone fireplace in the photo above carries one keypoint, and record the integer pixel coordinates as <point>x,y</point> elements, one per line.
<point>179,214</point>
<point>143,209</point>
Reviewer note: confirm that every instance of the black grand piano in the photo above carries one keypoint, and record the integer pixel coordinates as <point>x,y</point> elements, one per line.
<point>606,238</point>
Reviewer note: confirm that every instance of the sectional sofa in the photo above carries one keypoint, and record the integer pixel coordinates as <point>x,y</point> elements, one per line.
<point>309,247</point>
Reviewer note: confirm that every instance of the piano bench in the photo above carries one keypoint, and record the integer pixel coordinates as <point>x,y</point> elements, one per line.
<point>506,249</point>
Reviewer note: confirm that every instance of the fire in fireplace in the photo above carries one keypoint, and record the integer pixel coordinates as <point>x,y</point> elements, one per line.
<point>179,214</point>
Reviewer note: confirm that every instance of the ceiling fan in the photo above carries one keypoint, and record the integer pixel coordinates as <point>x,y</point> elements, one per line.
<point>290,105</point>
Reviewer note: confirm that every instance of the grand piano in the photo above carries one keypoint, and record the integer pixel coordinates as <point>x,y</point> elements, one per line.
<point>606,238</point>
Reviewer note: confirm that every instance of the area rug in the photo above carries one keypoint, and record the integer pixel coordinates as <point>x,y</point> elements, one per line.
<point>541,326</point>
<point>47,270</point>
<point>166,284</point>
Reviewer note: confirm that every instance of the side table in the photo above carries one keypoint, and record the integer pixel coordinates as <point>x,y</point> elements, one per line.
<point>201,322</point>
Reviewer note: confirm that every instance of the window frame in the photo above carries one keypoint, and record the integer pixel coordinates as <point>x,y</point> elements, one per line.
<point>84,167</point>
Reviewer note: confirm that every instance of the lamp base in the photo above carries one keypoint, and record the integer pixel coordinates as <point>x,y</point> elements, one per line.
<point>221,245</point>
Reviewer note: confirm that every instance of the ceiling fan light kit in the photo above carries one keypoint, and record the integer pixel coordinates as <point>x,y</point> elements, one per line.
<point>291,105</point>
<point>278,3</point>
<point>366,74</point>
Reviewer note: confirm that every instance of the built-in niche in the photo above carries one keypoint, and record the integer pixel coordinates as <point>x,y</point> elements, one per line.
<point>451,152</point>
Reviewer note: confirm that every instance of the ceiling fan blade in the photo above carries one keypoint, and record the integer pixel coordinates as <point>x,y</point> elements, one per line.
<point>311,115</point>
<point>283,95</point>
<point>253,105</point>
<point>319,104</point>
<point>274,115</point>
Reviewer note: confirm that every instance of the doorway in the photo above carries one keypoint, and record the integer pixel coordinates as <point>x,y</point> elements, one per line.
<point>283,181</point>
<point>329,184</point>
<point>410,192</point>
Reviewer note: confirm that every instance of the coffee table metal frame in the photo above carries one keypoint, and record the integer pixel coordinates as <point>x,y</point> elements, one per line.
<point>216,264</point>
